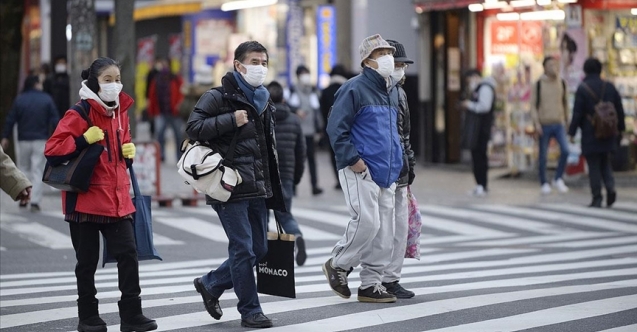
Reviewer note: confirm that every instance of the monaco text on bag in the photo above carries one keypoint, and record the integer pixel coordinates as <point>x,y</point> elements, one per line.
<point>142,226</point>
<point>275,272</point>
<point>207,171</point>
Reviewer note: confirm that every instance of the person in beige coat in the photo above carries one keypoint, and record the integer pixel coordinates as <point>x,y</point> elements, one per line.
<point>13,181</point>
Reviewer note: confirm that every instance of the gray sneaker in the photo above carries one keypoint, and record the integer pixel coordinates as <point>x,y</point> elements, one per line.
<point>397,289</point>
<point>337,279</point>
<point>375,294</point>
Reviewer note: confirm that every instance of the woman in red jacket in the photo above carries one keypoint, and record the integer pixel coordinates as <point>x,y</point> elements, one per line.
<point>106,207</point>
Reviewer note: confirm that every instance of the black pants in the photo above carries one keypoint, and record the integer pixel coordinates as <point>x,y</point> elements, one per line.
<point>599,169</point>
<point>121,243</point>
<point>479,156</point>
<point>311,159</point>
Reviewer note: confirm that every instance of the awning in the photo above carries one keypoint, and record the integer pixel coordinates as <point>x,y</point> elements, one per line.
<point>434,5</point>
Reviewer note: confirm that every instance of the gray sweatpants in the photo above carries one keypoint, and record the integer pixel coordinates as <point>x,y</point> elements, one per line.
<point>368,238</point>
<point>401,229</point>
<point>31,162</point>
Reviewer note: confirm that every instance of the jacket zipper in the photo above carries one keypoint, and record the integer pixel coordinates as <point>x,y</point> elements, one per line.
<point>108,147</point>
<point>391,132</point>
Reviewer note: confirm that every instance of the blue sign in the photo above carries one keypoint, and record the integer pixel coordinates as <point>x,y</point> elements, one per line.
<point>326,36</point>
<point>293,34</point>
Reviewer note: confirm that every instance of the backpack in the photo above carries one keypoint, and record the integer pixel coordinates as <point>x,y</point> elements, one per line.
<point>604,118</point>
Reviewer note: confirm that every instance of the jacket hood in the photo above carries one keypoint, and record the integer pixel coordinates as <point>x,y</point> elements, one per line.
<point>282,111</point>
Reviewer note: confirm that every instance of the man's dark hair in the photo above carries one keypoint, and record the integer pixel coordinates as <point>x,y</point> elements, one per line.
<point>569,42</point>
<point>592,66</point>
<point>241,52</point>
<point>340,70</point>
<point>96,69</point>
<point>276,92</point>
<point>547,59</point>
<point>59,57</point>
<point>472,72</point>
<point>30,82</point>
<point>302,69</point>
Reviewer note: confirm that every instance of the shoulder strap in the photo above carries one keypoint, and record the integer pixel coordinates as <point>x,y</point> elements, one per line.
<point>563,89</point>
<point>229,159</point>
<point>82,107</point>
<point>537,95</point>
<point>590,91</point>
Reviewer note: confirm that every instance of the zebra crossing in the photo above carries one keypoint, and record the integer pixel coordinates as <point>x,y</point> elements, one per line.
<point>482,268</point>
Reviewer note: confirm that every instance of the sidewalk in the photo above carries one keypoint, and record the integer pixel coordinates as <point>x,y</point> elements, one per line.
<point>438,184</point>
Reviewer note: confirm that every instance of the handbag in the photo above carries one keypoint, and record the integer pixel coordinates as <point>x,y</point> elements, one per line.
<point>207,171</point>
<point>415,227</point>
<point>471,130</point>
<point>75,174</point>
<point>275,272</point>
<point>142,227</point>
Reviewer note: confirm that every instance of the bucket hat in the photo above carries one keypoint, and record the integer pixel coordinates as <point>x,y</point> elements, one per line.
<point>372,43</point>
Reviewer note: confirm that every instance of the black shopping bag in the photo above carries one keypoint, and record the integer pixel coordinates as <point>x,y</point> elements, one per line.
<point>275,272</point>
<point>143,227</point>
<point>471,130</point>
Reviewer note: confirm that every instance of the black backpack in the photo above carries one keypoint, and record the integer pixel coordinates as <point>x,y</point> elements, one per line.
<point>604,118</point>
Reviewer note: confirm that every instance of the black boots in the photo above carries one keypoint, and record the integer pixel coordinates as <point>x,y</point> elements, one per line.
<point>597,202</point>
<point>610,198</point>
<point>132,319</point>
<point>90,320</point>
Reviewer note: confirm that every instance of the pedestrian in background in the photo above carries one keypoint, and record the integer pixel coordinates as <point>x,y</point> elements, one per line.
<point>164,98</point>
<point>549,110</point>
<point>391,274</point>
<point>241,106</point>
<point>304,100</point>
<point>36,116</point>
<point>106,207</point>
<point>291,151</point>
<point>12,181</point>
<point>362,128</point>
<point>481,105</point>
<point>338,76</point>
<point>58,85</point>
<point>592,90</point>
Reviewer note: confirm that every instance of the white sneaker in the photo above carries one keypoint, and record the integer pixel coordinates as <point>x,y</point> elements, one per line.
<point>561,187</point>
<point>478,191</point>
<point>546,189</point>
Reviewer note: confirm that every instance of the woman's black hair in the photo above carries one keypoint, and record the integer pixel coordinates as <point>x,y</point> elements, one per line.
<point>569,43</point>
<point>95,70</point>
<point>276,92</point>
<point>30,82</point>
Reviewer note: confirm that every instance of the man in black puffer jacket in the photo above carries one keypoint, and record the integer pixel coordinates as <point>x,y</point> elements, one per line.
<point>241,106</point>
<point>291,151</point>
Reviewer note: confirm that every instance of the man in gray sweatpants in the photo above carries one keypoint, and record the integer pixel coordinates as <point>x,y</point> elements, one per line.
<point>362,128</point>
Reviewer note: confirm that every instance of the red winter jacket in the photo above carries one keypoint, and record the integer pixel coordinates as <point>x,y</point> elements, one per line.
<point>108,194</point>
<point>176,97</point>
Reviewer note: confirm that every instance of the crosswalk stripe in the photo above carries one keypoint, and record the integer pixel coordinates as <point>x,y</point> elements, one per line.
<point>457,227</point>
<point>627,328</point>
<point>626,206</point>
<point>429,308</point>
<point>602,213</point>
<point>197,227</point>
<point>492,218</point>
<point>546,317</point>
<point>594,243</point>
<point>563,217</point>
<point>35,232</point>
<point>309,232</point>
<point>539,239</point>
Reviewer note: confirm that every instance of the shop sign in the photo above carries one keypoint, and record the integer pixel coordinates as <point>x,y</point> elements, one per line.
<point>326,35</point>
<point>293,34</point>
<point>512,37</point>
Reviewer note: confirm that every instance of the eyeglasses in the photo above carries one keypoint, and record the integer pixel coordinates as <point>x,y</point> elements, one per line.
<point>401,65</point>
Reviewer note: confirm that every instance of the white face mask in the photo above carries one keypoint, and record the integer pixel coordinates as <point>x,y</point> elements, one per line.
<point>398,74</point>
<point>385,65</point>
<point>110,91</point>
<point>305,79</point>
<point>60,68</point>
<point>255,74</point>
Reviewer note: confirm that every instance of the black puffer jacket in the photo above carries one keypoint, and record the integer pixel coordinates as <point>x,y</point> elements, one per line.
<point>213,121</point>
<point>404,130</point>
<point>290,143</point>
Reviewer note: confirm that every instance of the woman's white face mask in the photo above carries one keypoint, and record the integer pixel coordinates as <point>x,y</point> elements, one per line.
<point>398,74</point>
<point>255,74</point>
<point>385,65</point>
<point>110,91</point>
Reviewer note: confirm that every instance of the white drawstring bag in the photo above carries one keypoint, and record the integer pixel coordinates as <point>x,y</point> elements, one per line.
<point>207,171</point>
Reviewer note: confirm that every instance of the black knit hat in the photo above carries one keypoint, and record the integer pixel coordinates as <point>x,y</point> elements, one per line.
<point>400,55</point>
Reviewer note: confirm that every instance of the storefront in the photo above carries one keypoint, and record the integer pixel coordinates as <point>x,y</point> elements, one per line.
<point>517,35</point>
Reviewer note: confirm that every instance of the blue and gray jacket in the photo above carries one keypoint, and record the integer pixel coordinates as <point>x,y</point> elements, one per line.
<point>362,124</point>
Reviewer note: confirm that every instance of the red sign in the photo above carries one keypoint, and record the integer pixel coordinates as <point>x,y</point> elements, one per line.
<point>608,4</point>
<point>511,37</point>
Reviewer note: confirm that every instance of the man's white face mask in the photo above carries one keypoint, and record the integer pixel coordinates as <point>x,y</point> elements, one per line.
<point>385,65</point>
